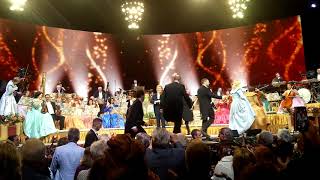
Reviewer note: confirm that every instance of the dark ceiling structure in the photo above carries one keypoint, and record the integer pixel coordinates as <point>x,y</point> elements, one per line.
<point>161,16</point>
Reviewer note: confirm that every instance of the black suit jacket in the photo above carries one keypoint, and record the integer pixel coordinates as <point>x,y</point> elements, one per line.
<point>90,138</point>
<point>61,91</point>
<point>204,98</point>
<point>134,118</point>
<point>171,101</point>
<point>156,106</point>
<point>96,94</point>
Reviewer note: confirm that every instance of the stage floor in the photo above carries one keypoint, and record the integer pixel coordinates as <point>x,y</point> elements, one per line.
<point>277,121</point>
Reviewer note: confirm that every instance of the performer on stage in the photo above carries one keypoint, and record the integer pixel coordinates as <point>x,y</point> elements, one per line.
<point>111,118</point>
<point>54,111</point>
<point>241,113</point>
<point>277,79</point>
<point>263,99</point>
<point>155,100</point>
<point>134,120</point>
<point>172,102</point>
<point>222,113</point>
<point>205,96</point>
<point>59,89</point>
<point>8,104</point>
<point>38,124</point>
<point>100,95</point>
<point>291,99</point>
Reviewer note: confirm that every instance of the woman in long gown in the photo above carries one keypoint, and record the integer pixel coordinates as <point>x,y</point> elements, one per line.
<point>241,113</point>
<point>8,104</point>
<point>111,117</point>
<point>38,124</point>
<point>222,113</point>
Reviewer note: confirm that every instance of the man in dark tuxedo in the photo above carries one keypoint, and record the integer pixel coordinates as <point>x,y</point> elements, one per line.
<point>55,111</point>
<point>172,102</point>
<point>92,135</point>
<point>206,109</point>
<point>134,120</point>
<point>100,95</point>
<point>155,100</point>
<point>59,89</point>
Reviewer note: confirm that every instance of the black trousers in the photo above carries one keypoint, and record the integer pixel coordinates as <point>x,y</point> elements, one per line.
<point>177,126</point>
<point>60,119</point>
<point>159,118</point>
<point>206,123</point>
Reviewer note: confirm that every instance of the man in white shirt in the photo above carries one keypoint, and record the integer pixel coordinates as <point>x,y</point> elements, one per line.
<point>55,111</point>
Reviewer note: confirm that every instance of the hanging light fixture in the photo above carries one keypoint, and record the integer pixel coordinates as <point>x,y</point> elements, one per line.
<point>238,8</point>
<point>17,5</point>
<point>133,12</point>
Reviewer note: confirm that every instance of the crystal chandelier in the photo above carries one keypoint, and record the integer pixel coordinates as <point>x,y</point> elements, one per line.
<point>238,7</point>
<point>17,5</point>
<point>133,11</point>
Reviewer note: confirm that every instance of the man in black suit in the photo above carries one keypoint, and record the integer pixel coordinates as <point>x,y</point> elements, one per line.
<point>134,120</point>
<point>172,102</point>
<point>92,135</point>
<point>55,111</point>
<point>206,109</point>
<point>155,100</point>
<point>59,89</point>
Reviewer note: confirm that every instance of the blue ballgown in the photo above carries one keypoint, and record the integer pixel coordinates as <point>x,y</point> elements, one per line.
<point>37,124</point>
<point>241,113</point>
<point>110,119</point>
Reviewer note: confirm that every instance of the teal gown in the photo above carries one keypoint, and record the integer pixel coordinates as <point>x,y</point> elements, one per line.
<point>37,124</point>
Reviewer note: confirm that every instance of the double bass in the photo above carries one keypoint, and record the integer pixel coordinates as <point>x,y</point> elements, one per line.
<point>288,97</point>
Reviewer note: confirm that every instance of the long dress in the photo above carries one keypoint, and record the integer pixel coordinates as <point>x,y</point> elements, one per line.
<point>241,113</point>
<point>8,104</point>
<point>261,120</point>
<point>222,113</point>
<point>37,124</point>
<point>111,118</point>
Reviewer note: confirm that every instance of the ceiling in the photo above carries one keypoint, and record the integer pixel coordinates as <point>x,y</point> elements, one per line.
<point>161,16</point>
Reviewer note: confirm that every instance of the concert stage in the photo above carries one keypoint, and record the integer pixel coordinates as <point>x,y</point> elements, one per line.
<point>277,121</point>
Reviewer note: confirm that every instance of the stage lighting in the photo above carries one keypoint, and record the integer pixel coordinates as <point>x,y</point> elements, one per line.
<point>133,11</point>
<point>17,5</point>
<point>238,8</point>
<point>313,5</point>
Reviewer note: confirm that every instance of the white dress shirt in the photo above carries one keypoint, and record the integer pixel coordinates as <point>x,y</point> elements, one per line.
<point>318,77</point>
<point>100,95</point>
<point>50,108</point>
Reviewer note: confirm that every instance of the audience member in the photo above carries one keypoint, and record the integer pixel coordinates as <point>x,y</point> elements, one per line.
<point>163,157</point>
<point>85,163</point>
<point>34,163</point>
<point>196,134</point>
<point>265,138</point>
<point>144,139</point>
<point>92,135</point>
<point>67,158</point>
<point>15,140</point>
<point>10,166</point>
<point>198,161</point>
<point>242,158</point>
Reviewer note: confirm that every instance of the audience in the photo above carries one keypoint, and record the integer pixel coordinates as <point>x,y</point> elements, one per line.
<point>242,159</point>
<point>265,138</point>
<point>92,135</point>
<point>85,163</point>
<point>10,165</point>
<point>67,158</point>
<point>196,134</point>
<point>144,139</point>
<point>34,163</point>
<point>163,157</point>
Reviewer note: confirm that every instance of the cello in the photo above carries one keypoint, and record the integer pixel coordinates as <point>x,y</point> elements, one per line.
<point>287,102</point>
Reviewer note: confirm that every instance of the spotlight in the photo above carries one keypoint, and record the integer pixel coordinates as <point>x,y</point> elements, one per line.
<point>238,8</point>
<point>133,11</point>
<point>17,5</point>
<point>313,5</point>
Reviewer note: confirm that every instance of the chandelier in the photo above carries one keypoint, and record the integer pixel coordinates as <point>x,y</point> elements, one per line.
<point>133,11</point>
<point>238,8</point>
<point>17,5</point>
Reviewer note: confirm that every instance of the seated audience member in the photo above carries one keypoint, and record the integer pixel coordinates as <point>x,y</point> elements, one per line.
<point>196,134</point>
<point>261,172</point>
<point>67,158</point>
<point>144,139</point>
<point>15,140</point>
<point>181,139</point>
<point>34,163</point>
<point>242,158</point>
<point>224,168</point>
<point>263,155</point>
<point>62,141</point>
<point>225,135</point>
<point>284,149</point>
<point>265,138</point>
<point>97,151</point>
<point>85,163</point>
<point>198,161</point>
<point>163,157</point>
<point>92,135</point>
<point>123,160</point>
<point>10,167</point>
